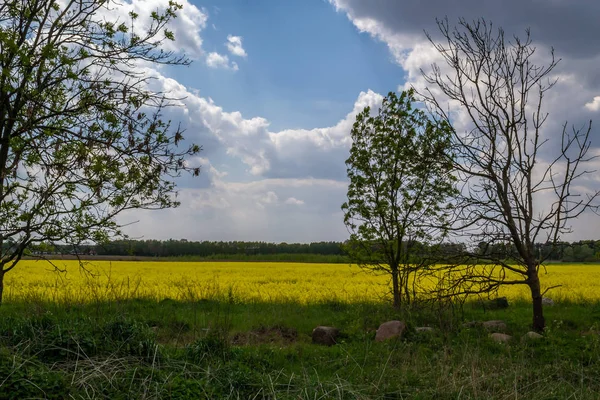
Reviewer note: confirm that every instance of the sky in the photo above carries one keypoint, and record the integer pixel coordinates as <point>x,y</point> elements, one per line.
<point>275,86</point>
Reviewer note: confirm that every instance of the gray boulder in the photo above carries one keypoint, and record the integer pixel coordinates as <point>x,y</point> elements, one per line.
<point>424,329</point>
<point>546,301</point>
<point>500,337</point>
<point>531,336</point>
<point>471,324</point>
<point>325,335</point>
<point>389,330</point>
<point>495,326</point>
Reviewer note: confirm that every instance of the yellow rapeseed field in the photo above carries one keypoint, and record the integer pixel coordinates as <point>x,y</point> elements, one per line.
<point>241,281</point>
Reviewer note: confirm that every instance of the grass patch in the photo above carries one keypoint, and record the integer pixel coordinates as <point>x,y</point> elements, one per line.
<point>210,349</point>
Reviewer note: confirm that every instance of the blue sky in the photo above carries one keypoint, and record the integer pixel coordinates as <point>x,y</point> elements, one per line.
<point>276,84</point>
<point>306,65</point>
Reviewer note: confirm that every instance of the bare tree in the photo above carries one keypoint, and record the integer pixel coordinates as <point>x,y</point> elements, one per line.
<point>515,190</point>
<point>81,135</point>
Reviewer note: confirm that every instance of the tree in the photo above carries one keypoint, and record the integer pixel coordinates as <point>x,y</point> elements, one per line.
<point>399,180</point>
<point>519,179</point>
<point>81,134</point>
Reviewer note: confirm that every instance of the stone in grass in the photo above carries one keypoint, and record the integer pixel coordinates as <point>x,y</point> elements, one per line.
<point>424,329</point>
<point>495,326</point>
<point>471,324</point>
<point>389,330</point>
<point>546,301</point>
<point>500,337</point>
<point>325,335</point>
<point>531,336</point>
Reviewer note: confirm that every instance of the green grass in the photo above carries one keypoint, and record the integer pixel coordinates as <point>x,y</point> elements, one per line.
<point>212,350</point>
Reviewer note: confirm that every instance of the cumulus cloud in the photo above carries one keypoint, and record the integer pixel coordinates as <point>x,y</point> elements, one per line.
<point>593,105</point>
<point>269,198</point>
<point>319,152</point>
<point>234,45</point>
<point>292,153</point>
<point>293,201</point>
<point>186,27</point>
<point>249,211</point>
<point>216,60</point>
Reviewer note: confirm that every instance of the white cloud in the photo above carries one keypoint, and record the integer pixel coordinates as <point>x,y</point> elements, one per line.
<point>292,153</point>
<point>319,152</point>
<point>249,211</point>
<point>593,105</point>
<point>398,43</point>
<point>216,60</point>
<point>186,27</point>
<point>294,201</point>
<point>269,198</point>
<point>234,45</point>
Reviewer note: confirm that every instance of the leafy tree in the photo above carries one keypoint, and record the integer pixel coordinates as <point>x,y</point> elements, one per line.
<point>81,134</point>
<point>519,178</point>
<point>399,180</point>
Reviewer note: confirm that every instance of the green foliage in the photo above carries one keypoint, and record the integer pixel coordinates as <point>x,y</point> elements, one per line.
<point>400,180</point>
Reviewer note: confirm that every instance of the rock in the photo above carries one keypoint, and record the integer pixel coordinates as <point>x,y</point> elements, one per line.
<point>531,336</point>
<point>471,324</point>
<point>325,335</point>
<point>389,330</point>
<point>496,304</point>
<point>495,326</point>
<point>546,301</point>
<point>424,329</point>
<point>500,337</point>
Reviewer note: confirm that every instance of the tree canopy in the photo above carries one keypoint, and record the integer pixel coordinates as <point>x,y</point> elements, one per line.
<point>399,182</point>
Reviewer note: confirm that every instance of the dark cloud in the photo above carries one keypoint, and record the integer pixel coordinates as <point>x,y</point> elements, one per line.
<point>570,26</point>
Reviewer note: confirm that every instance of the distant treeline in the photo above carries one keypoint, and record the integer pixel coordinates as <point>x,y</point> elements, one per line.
<point>208,250</point>
<point>175,248</point>
<point>581,251</point>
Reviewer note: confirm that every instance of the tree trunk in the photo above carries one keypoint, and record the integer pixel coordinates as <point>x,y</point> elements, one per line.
<point>536,295</point>
<point>396,287</point>
<point>1,284</point>
<point>405,281</point>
